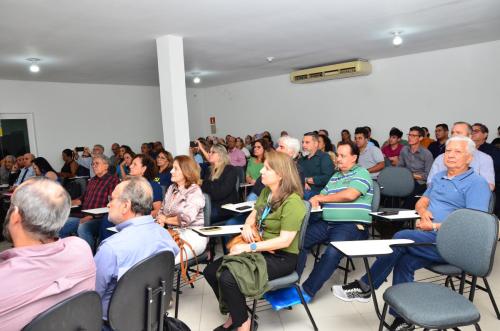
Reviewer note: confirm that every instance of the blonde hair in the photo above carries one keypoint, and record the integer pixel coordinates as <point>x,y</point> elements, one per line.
<point>284,167</point>
<point>217,169</point>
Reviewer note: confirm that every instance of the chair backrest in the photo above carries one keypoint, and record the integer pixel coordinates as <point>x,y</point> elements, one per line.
<point>207,210</point>
<point>305,222</point>
<point>396,182</point>
<point>82,311</point>
<point>491,206</point>
<point>376,197</point>
<point>128,305</point>
<point>467,239</point>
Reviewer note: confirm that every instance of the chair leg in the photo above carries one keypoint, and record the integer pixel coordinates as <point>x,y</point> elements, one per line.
<point>452,285</point>
<point>177,293</point>
<point>352,264</point>
<point>346,271</point>
<point>304,303</point>
<point>382,318</point>
<point>252,319</point>
<point>478,328</point>
<point>189,278</point>
<point>492,299</point>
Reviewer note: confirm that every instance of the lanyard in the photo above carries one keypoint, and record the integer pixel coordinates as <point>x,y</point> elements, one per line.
<point>265,213</point>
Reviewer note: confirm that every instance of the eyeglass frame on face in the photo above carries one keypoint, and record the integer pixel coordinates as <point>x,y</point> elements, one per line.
<point>94,163</point>
<point>414,135</point>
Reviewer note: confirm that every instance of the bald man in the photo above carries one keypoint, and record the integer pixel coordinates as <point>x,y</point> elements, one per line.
<point>27,171</point>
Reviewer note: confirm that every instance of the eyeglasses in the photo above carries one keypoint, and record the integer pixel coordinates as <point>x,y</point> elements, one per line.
<point>476,131</point>
<point>413,135</point>
<point>212,152</point>
<point>94,164</point>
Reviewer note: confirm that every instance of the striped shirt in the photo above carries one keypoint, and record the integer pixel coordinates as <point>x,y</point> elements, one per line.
<point>359,179</point>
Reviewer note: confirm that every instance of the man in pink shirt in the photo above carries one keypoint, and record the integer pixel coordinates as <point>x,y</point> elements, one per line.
<point>40,270</point>
<point>236,155</point>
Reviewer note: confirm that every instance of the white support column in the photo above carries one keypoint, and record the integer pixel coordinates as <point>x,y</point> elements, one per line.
<point>174,113</point>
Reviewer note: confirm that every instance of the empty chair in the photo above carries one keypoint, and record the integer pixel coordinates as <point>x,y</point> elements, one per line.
<point>467,239</point>
<point>82,311</point>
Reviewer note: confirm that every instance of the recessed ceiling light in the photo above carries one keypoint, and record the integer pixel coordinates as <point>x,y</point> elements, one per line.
<point>397,40</point>
<point>197,80</point>
<point>34,68</point>
<point>270,59</point>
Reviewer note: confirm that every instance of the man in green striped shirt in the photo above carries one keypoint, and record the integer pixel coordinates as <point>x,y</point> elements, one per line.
<point>346,201</point>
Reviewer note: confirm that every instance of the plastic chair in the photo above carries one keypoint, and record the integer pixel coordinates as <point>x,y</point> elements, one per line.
<point>467,239</point>
<point>142,294</point>
<point>292,279</point>
<point>82,311</point>
<point>203,258</point>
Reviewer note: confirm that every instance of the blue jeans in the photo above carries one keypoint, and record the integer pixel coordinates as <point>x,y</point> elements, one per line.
<point>89,231</point>
<point>323,232</point>
<point>405,259</point>
<point>70,227</point>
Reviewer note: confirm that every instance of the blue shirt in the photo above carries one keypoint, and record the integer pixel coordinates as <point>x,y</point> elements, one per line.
<point>165,178</point>
<point>467,190</point>
<point>137,239</point>
<point>157,192</point>
<point>24,175</point>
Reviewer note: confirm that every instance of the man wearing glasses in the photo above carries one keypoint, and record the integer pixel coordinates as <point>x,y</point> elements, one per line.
<point>99,188</point>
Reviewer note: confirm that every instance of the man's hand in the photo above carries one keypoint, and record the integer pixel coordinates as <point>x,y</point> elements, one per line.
<point>418,176</point>
<point>76,202</point>
<point>240,248</point>
<point>310,180</point>
<point>315,201</point>
<point>426,216</point>
<point>86,152</point>
<point>161,219</point>
<point>85,219</point>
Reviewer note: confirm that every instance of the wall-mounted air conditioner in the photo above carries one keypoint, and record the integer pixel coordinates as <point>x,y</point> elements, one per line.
<point>333,71</point>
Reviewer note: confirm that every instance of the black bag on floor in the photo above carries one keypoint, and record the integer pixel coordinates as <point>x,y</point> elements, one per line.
<point>174,324</point>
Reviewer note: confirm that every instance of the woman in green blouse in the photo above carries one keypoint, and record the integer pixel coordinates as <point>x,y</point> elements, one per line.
<point>256,163</point>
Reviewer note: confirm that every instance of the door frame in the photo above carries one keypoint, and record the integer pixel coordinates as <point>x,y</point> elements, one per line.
<point>29,123</point>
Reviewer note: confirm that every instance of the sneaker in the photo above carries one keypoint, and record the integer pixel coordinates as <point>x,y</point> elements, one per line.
<point>400,324</point>
<point>351,292</point>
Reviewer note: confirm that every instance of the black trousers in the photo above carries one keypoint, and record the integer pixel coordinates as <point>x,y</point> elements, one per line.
<point>278,265</point>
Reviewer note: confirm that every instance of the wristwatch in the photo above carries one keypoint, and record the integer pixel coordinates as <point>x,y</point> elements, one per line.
<point>253,247</point>
<point>434,227</point>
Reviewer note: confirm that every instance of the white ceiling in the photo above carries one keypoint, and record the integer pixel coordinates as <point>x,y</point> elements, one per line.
<point>113,41</point>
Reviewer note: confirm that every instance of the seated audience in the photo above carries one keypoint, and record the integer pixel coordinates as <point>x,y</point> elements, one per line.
<point>248,142</point>
<point>220,182</point>
<point>317,167</point>
<point>6,169</point>
<point>114,160</point>
<point>479,136</point>
<point>146,149</point>
<point>426,141</point>
<point>27,170</point>
<point>323,132</point>
<point>236,156</point>
<point>279,213</point>
<point>481,163</point>
<point>371,141</point>
<point>96,195</point>
<point>496,141</point>
<point>437,147</point>
<point>370,157</point>
<point>346,201</point>
<point>256,162</point>
<point>138,237</point>
<point>44,169</point>
<point>144,166</point>
<point>194,151</point>
<point>123,169</point>
<point>183,205</point>
<point>454,188</point>
<point>86,159</point>
<point>241,145</point>
<point>164,162</point>
<point>70,167</point>
<point>325,145</point>
<point>346,136</point>
<point>418,160</point>
<point>40,270</point>
<point>392,150</point>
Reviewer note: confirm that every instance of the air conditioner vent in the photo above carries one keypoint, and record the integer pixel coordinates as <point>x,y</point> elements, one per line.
<point>333,71</point>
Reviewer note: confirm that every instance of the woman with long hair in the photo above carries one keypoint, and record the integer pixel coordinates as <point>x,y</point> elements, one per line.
<point>143,165</point>
<point>220,182</point>
<point>325,145</point>
<point>260,147</point>
<point>164,162</point>
<point>126,157</point>
<point>182,207</point>
<point>70,167</point>
<point>278,215</point>
<point>43,168</point>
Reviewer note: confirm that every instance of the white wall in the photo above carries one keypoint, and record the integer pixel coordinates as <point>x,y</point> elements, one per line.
<point>421,89</point>
<point>69,115</point>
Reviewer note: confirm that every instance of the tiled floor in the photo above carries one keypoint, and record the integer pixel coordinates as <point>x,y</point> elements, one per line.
<point>199,308</point>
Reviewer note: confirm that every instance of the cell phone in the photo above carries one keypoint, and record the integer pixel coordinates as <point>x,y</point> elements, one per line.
<point>192,144</point>
<point>243,208</point>
<point>210,228</point>
<point>389,212</point>
<point>79,149</point>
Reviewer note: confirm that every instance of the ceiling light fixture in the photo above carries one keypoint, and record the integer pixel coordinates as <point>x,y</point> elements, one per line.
<point>270,59</point>
<point>397,40</point>
<point>197,80</point>
<point>34,66</point>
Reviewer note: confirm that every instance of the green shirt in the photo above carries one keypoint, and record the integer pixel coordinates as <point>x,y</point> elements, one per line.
<point>288,217</point>
<point>359,179</point>
<point>253,168</point>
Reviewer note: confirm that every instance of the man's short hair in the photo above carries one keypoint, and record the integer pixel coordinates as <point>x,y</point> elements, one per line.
<point>419,129</point>
<point>99,146</point>
<point>361,130</point>
<point>138,191</point>
<point>443,126</point>
<point>471,145</point>
<point>44,206</point>
<point>292,144</point>
<point>395,132</point>
<point>354,148</point>
<point>312,134</point>
<point>482,127</point>
<point>104,159</point>
<point>469,127</point>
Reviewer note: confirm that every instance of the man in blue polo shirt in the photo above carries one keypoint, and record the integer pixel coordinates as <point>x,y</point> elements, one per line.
<point>457,187</point>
